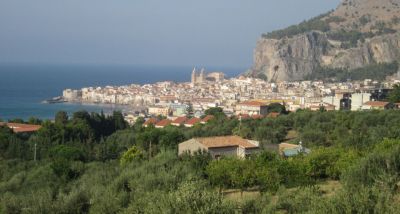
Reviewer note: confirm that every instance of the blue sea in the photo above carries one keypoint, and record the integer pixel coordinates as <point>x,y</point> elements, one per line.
<point>23,87</point>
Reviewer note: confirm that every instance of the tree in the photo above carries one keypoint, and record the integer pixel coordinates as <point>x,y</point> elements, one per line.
<point>34,121</point>
<point>219,172</point>
<point>119,121</point>
<point>189,110</point>
<point>61,118</point>
<point>277,107</point>
<point>215,111</point>
<point>394,96</point>
<point>129,156</point>
<point>16,120</point>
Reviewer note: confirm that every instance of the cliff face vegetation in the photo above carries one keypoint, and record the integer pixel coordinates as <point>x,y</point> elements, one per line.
<point>358,33</point>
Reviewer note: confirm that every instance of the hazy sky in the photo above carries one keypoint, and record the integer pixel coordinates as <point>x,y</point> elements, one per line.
<point>162,32</point>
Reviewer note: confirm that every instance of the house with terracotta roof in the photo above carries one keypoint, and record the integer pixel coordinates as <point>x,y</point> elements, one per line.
<point>252,107</point>
<point>376,105</point>
<point>179,121</point>
<point>324,105</point>
<point>243,116</point>
<point>207,118</point>
<point>273,115</point>
<point>191,122</point>
<point>220,146</point>
<point>257,116</point>
<point>163,123</point>
<point>21,128</point>
<point>150,121</point>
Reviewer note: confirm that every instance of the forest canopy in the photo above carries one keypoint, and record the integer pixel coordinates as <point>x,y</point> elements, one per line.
<point>89,163</point>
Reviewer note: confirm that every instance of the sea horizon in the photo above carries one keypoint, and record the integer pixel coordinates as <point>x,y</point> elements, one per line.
<point>23,86</point>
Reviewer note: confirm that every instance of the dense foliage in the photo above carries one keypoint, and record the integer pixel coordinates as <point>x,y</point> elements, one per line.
<point>91,163</point>
<point>313,24</point>
<point>377,71</point>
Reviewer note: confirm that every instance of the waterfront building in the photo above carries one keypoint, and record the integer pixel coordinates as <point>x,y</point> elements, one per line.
<point>72,95</point>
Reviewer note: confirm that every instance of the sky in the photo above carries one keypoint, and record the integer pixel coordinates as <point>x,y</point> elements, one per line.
<point>147,32</point>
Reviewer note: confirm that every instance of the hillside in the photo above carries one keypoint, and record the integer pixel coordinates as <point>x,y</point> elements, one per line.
<point>357,34</point>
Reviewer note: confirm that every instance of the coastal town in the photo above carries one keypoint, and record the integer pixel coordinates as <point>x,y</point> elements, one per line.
<point>236,96</point>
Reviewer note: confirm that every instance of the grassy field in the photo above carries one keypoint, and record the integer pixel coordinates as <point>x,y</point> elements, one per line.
<point>328,188</point>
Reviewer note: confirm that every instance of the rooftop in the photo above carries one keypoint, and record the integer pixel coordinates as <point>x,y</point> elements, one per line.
<point>193,121</point>
<point>180,120</point>
<point>150,121</point>
<point>376,103</point>
<point>207,118</point>
<point>253,103</point>
<point>163,123</point>
<point>225,141</point>
<point>20,128</point>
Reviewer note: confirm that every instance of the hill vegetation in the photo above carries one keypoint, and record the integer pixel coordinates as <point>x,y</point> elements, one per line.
<point>377,71</point>
<point>137,170</point>
<point>313,24</point>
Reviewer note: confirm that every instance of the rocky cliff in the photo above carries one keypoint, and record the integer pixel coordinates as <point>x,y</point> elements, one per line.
<point>356,34</point>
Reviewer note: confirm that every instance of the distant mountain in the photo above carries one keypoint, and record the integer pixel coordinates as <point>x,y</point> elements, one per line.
<point>358,34</point>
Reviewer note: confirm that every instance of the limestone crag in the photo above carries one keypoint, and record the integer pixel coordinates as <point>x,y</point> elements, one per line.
<point>359,33</point>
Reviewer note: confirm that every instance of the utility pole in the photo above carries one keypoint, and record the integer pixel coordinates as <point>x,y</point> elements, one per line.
<point>34,154</point>
<point>150,151</point>
<point>240,122</point>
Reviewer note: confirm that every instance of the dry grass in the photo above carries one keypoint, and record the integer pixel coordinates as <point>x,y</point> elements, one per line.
<point>328,189</point>
<point>235,195</point>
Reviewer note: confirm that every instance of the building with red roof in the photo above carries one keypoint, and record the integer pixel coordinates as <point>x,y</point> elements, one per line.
<point>252,107</point>
<point>220,146</point>
<point>257,116</point>
<point>179,121</point>
<point>21,128</point>
<point>273,115</point>
<point>191,122</point>
<point>207,118</point>
<point>163,123</point>
<point>377,105</point>
<point>150,121</point>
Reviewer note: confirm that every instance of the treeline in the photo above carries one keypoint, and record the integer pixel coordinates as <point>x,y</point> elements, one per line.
<point>313,24</point>
<point>349,39</point>
<point>378,71</point>
<point>137,170</point>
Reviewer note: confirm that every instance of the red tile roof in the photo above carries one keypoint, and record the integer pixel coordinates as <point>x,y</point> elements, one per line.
<point>253,103</point>
<point>243,116</point>
<point>376,103</point>
<point>256,116</point>
<point>193,121</point>
<point>225,141</point>
<point>150,121</point>
<point>163,123</point>
<point>273,115</point>
<point>207,118</point>
<point>180,120</point>
<point>20,128</point>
